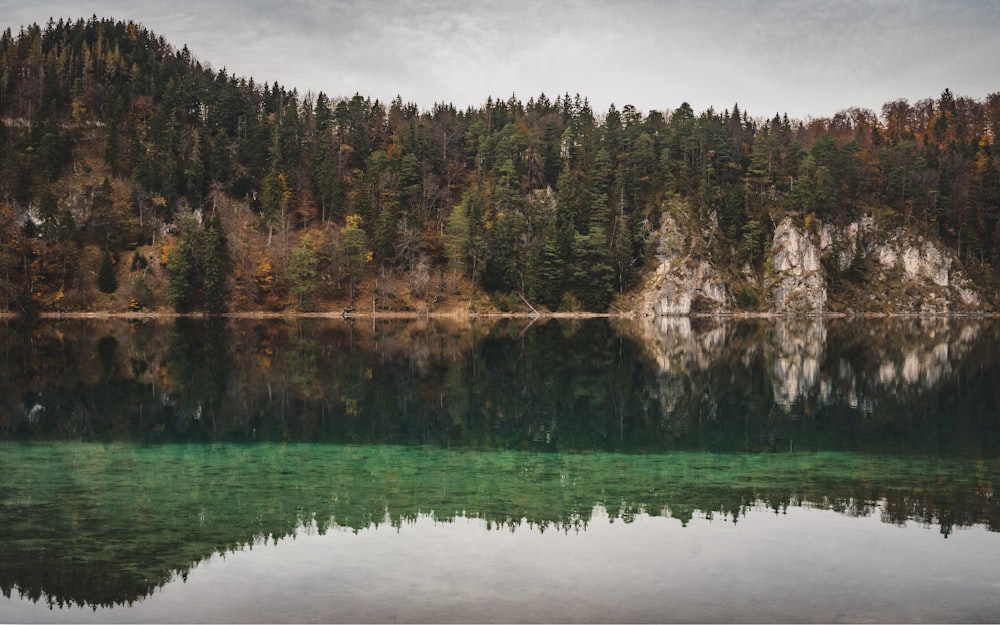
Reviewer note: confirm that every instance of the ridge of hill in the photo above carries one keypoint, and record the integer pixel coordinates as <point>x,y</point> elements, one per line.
<point>135,178</point>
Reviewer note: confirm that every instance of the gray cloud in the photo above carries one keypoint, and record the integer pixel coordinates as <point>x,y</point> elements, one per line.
<point>808,58</point>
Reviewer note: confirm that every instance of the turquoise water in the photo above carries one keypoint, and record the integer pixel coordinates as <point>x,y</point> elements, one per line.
<point>117,525</point>
<point>320,472</point>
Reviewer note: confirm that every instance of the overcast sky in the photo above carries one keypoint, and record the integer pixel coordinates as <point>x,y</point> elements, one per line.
<point>806,58</point>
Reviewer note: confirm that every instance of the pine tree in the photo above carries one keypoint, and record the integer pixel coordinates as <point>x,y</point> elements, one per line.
<point>107,282</point>
<point>215,266</point>
<point>303,267</point>
<point>354,253</point>
<point>181,269</point>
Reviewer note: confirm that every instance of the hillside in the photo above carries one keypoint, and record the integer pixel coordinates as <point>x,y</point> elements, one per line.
<point>134,177</point>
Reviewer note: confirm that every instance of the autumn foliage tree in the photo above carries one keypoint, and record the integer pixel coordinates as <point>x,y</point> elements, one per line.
<point>546,200</point>
<point>354,253</point>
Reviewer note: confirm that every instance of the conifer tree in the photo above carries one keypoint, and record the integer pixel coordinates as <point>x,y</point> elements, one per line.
<point>214,266</point>
<point>354,252</point>
<point>107,282</point>
<point>303,267</point>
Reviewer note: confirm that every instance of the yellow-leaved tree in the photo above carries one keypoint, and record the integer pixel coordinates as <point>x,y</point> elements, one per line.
<point>354,253</point>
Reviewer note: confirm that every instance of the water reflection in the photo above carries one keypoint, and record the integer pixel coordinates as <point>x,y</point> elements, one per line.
<point>95,524</point>
<point>133,451</point>
<point>900,386</point>
<point>768,568</point>
<point>674,384</point>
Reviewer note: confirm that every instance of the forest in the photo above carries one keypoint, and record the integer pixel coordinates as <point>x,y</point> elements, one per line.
<point>133,176</point>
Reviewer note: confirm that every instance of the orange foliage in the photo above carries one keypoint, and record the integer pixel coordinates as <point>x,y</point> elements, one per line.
<point>167,246</point>
<point>264,275</point>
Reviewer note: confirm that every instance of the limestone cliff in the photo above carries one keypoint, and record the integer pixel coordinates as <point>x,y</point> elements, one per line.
<point>857,268</point>
<point>798,283</point>
<point>904,272</point>
<point>681,283</point>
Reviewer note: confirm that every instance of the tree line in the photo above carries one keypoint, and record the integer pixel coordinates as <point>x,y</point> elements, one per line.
<point>545,201</point>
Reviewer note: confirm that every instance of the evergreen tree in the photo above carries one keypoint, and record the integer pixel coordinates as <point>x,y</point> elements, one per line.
<point>107,282</point>
<point>457,241</point>
<point>354,252</point>
<point>276,192</point>
<point>181,269</point>
<point>593,277</point>
<point>214,266</point>
<point>178,136</point>
<point>302,270</point>
<point>547,282</point>
<point>198,268</point>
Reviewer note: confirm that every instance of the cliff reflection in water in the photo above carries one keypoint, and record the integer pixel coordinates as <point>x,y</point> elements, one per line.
<point>234,422</point>
<point>873,385</point>
<point>674,384</point>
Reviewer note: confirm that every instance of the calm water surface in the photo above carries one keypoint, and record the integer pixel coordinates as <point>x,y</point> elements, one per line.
<point>318,471</point>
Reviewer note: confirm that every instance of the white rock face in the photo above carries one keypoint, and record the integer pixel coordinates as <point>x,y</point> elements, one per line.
<point>903,261</point>
<point>927,262</point>
<point>799,284</point>
<point>677,285</point>
<point>826,234</point>
<point>680,283</point>
<point>886,256</point>
<point>904,273</point>
<point>969,297</point>
<point>793,253</point>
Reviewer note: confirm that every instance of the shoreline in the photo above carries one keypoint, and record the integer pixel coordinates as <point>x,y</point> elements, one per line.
<point>410,315</point>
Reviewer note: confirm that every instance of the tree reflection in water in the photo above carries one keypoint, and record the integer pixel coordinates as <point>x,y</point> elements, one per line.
<point>135,450</point>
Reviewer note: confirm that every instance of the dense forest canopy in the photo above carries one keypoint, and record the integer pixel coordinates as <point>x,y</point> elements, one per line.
<point>131,170</point>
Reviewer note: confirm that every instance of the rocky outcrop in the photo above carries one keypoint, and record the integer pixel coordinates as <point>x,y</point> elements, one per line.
<point>798,284</point>
<point>907,273</point>
<point>812,270</point>
<point>682,285</point>
<point>927,262</point>
<point>923,261</point>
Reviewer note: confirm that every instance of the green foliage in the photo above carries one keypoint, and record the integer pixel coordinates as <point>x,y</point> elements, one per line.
<point>539,184</point>
<point>831,262</point>
<point>303,267</point>
<point>548,276</point>
<point>857,271</point>
<point>139,261</point>
<point>750,242</point>
<point>107,282</point>
<point>504,266</point>
<point>215,266</point>
<point>354,253</point>
<point>747,298</point>
<point>197,269</point>
<point>142,294</point>
<point>456,238</point>
<point>274,199</point>
<point>593,279</point>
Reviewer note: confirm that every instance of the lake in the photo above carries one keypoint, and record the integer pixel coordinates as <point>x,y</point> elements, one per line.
<point>673,470</point>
